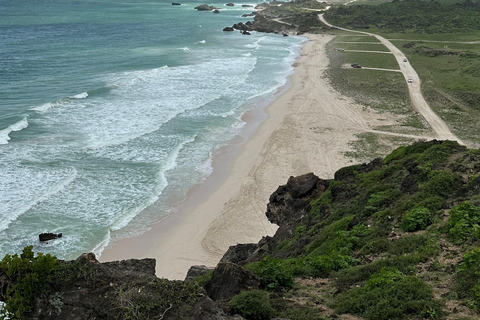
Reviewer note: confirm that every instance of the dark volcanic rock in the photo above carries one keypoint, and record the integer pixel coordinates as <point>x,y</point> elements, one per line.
<point>241,26</point>
<point>228,29</point>
<point>246,33</point>
<point>216,11</point>
<point>176,4</point>
<point>86,289</point>
<point>205,7</point>
<point>247,5</point>
<point>228,279</point>
<point>197,271</point>
<point>230,4</point>
<point>49,236</point>
<point>302,185</point>
<point>239,253</point>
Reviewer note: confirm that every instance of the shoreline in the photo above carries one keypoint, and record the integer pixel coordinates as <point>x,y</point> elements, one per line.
<point>308,129</point>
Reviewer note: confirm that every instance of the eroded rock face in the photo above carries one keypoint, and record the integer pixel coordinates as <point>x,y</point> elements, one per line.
<point>240,253</point>
<point>228,279</point>
<point>290,202</point>
<point>197,271</point>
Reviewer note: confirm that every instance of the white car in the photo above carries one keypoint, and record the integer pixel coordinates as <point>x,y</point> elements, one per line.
<point>409,80</point>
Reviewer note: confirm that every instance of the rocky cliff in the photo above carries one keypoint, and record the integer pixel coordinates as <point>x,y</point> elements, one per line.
<point>396,238</point>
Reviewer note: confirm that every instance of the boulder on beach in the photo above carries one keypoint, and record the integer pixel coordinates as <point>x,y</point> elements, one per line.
<point>205,7</point>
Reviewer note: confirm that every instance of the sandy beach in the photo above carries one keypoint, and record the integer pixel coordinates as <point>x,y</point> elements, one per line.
<point>308,129</point>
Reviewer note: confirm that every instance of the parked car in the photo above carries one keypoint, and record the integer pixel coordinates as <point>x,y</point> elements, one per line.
<point>409,80</point>
<point>405,60</point>
<point>356,65</point>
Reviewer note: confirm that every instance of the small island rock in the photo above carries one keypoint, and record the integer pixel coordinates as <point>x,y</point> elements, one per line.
<point>205,7</point>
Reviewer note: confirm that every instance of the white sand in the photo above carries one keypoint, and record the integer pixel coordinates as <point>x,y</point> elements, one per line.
<point>308,129</point>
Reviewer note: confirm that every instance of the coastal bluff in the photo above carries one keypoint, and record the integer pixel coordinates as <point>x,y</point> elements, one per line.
<point>395,238</point>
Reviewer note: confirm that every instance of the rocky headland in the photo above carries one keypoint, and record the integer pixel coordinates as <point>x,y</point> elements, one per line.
<point>396,238</point>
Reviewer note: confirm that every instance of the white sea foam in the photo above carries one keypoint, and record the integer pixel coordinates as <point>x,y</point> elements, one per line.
<point>184,49</point>
<point>123,220</point>
<point>82,95</point>
<point>21,208</point>
<point>201,42</point>
<point>42,108</point>
<point>4,134</point>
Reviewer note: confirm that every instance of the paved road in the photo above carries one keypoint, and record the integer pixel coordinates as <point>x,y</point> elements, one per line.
<point>438,126</point>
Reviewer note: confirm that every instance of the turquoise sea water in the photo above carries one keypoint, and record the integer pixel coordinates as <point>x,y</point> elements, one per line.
<point>109,106</point>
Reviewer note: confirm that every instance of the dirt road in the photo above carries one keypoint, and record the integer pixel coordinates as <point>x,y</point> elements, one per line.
<point>438,126</point>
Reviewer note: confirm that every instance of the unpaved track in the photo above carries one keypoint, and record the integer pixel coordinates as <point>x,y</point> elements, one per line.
<point>368,51</point>
<point>438,126</point>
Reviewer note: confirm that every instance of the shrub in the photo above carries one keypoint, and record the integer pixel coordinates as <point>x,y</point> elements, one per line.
<point>389,295</point>
<point>441,183</point>
<point>416,219</point>
<point>467,279</point>
<point>28,275</point>
<point>253,305</point>
<point>322,265</point>
<point>273,273</point>
<point>376,246</point>
<point>464,222</point>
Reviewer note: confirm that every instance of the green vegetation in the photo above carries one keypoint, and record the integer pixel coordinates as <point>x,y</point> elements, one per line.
<point>390,295</point>
<point>377,237</point>
<point>450,74</point>
<point>29,275</point>
<point>410,16</point>
<point>416,219</point>
<point>254,305</point>
<point>273,273</point>
<point>292,16</point>
<point>396,238</point>
<point>440,40</point>
<point>464,222</point>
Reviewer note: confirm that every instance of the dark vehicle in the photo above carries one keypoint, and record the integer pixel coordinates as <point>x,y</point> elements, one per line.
<point>356,66</point>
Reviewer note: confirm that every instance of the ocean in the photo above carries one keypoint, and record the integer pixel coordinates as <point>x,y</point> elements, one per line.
<point>108,107</point>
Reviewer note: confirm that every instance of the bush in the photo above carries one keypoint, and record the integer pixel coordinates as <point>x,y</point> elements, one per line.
<point>273,273</point>
<point>441,183</point>
<point>467,279</point>
<point>416,219</point>
<point>27,276</point>
<point>390,295</point>
<point>464,222</point>
<point>253,305</point>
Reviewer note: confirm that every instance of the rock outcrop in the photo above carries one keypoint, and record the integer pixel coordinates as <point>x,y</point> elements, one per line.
<point>229,279</point>
<point>205,7</point>
<point>49,236</point>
